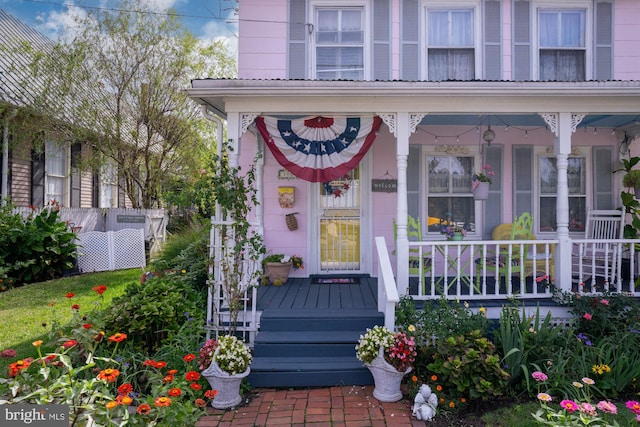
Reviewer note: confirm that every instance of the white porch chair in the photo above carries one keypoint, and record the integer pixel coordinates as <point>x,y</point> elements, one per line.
<point>601,256</point>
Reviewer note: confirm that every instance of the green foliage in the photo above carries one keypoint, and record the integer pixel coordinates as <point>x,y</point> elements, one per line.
<point>469,366</point>
<point>149,311</point>
<point>37,248</point>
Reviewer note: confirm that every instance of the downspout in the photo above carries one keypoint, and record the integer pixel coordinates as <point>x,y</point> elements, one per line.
<point>5,157</point>
<point>216,119</point>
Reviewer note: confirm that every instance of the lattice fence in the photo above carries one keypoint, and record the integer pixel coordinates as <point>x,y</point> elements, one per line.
<point>111,250</point>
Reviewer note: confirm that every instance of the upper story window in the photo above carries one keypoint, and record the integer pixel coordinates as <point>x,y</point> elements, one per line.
<point>562,45</point>
<point>340,47</point>
<point>449,196</point>
<point>451,47</point>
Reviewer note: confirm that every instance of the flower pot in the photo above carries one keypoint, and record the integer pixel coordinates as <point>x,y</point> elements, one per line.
<point>228,386</point>
<point>481,190</point>
<point>386,380</point>
<point>457,236</point>
<point>277,272</point>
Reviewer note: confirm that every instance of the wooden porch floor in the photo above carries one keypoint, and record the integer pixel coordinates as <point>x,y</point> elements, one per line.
<point>306,294</point>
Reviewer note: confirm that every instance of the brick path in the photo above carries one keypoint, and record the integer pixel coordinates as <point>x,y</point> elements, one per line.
<point>349,406</point>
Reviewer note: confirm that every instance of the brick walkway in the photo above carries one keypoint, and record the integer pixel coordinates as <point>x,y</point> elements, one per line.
<point>349,406</point>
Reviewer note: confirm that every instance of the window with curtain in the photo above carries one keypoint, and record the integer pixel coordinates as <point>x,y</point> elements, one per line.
<point>56,172</point>
<point>108,186</point>
<point>562,45</point>
<point>450,44</point>
<point>449,197</point>
<point>548,183</point>
<point>339,43</point>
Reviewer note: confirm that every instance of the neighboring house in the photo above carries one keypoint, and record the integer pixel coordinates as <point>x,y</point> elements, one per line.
<point>35,172</point>
<point>373,110</point>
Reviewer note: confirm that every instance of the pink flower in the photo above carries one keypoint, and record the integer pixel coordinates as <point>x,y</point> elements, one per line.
<point>542,278</point>
<point>634,406</point>
<point>607,407</point>
<point>539,376</point>
<point>569,405</point>
<point>587,316</point>
<point>604,301</point>
<point>588,409</point>
<point>8,353</point>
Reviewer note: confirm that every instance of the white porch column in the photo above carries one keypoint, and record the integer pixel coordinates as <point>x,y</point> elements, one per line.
<point>402,244</point>
<point>563,125</point>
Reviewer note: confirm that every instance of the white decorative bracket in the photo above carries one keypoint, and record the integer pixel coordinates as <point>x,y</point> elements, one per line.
<point>246,120</point>
<point>551,119</point>
<point>389,120</point>
<point>414,121</point>
<point>576,119</point>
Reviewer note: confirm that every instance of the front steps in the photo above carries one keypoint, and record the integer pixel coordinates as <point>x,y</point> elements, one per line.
<point>311,347</point>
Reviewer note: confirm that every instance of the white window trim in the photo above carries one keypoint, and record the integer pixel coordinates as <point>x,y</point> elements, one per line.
<point>576,151</point>
<point>464,151</point>
<point>368,32</point>
<point>477,31</point>
<point>66,194</point>
<point>587,6</point>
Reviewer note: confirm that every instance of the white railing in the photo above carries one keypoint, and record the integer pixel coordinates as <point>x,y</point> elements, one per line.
<point>387,289</point>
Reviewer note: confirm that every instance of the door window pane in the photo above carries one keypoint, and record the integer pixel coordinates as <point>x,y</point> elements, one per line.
<point>576,180</point>
<point>449,196</point>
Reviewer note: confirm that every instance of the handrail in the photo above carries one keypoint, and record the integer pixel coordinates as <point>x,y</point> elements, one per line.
<point>387,288</point>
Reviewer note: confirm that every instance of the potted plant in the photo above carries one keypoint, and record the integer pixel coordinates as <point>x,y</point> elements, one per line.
<point>276,267</point>
<point>389,357</point>
<point>480,183</point>
<point>225,362</point>
<point>632,180</point>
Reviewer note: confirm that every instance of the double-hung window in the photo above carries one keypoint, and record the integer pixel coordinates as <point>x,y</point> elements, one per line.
<point>562,44</point>
<point>56,172</point>
<point>340,43</point>
<point>548,190</point>
<point>449,197</point>
<point>450,44</point>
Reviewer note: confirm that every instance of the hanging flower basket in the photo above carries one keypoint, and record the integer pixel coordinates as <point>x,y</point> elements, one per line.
<point>387,379</point>
<point>481,190</point>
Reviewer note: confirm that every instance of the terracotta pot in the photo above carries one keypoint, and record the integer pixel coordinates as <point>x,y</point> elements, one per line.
<point>277,272</point>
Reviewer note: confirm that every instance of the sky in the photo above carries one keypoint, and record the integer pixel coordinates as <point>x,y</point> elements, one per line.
<point>207,19</point>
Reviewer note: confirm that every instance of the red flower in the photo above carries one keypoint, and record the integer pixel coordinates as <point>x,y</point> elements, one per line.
<point>210,394</point>
<point>162,401</point>
<point>75,307</point>
<point>189,358</point>
<point>143,409</point>
<point>587,316</point>
<point>99,289</point>
<point>148,362</point>
<point>109,375</point>
<point>70,295</point>
<point>125,388</point>
<point>9,352</point>
<point>118,337</point>
<point>87,326</point>
<point>69,343</point>
<point>192,376</point>
<point>18,366</point>
<point>172,371</point>
<point>175,392</point>
<point>167,379</point>
<point>159,365</point>
<point>200,403</point>
<point>195,386</point>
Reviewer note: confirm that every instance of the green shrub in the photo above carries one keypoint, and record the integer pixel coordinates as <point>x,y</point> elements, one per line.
<point>149,312</point>
<point>35,249</point>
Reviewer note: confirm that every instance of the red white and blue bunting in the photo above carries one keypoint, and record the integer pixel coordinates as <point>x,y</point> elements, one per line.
<point>319,149</point>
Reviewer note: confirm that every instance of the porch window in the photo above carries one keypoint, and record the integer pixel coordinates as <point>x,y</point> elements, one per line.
<point>449,196</point>
<point>56,172</point>
<point>562,44</point>
<point>339,43</point>
<point>548,182</point>
<point>450,44</point>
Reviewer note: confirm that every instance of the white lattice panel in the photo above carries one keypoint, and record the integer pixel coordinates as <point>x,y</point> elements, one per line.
<point>113,250</point>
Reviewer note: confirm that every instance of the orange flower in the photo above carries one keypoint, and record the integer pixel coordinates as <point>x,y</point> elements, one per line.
<point>175,392</point>
<point>442,400</point>
<point>69,343</point>
<point>452,405</point>
<point>195,386</point>
<point>210,394</point>
<point>439,387</point>
<point>434,378</point>
<point>162,401</point>
<point>159,365</point>
<point>200,403</point>
<point>189,357</point>
<point>125,388</point>
<point>148,362</point>
<point>463,400</point>
<point>111,405</point>
<point>118,337</point>
<point>37,343</point>
<point>143,409</point>
<point>99,289</point>
<point>167,379</point>
<point>192,376</point>
<point>18,366</point>
<point>124,400</point>
<point>173,371</point>
<point>109,375</point>
<point>414,379</point>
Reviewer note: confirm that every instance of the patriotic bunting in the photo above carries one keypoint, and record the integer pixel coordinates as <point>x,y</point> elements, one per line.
<point>319,149</point>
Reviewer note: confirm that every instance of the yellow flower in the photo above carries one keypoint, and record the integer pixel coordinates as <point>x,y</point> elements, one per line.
<point>412,328</point>
<point>37,343</point>
<point>483,311</point>
<point>184,271</point>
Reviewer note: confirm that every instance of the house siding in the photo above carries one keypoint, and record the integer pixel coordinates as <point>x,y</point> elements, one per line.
<point>21,179</point>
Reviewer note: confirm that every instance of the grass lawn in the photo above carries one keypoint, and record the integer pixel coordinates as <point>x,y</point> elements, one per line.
<point>23,310</point>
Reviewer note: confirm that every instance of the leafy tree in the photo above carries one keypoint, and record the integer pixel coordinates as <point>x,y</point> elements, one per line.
<point>116,80</point>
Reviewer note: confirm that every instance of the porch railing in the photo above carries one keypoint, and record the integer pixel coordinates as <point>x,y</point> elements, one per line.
<point>502,269</point>
<point>387,289</point>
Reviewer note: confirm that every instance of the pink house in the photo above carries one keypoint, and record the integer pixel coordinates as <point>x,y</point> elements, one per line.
<point>373,112</point>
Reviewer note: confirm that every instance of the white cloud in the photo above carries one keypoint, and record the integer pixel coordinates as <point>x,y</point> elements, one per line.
<point>220,30</point>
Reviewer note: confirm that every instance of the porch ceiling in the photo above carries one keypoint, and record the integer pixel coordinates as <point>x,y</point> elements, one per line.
<point>611,104</point>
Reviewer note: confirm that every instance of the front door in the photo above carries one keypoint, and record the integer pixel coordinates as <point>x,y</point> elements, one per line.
<point>339,224</point>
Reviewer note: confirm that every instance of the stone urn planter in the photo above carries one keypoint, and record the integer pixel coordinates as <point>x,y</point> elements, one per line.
<point>227,385</point>
<point>387,379</point>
